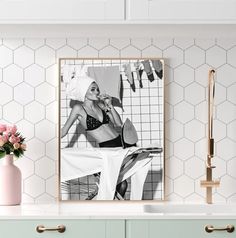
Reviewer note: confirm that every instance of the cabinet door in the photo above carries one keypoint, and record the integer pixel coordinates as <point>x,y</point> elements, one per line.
<point>176,228</point>
<point>60,11</point>
<point>182,11</point>
<point>74,228</point>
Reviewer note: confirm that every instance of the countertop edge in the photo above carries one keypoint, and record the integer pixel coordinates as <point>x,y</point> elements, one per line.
<point>122,217</point>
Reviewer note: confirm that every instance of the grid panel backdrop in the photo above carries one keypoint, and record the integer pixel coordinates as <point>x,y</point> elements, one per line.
<point>143,106</point>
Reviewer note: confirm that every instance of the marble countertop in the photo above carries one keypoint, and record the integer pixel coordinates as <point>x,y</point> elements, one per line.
<point>118,210</point>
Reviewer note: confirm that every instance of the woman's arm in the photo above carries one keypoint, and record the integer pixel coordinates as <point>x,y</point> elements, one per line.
<point>111,111</point>
<point>114,116</point>
<point>74,114</point>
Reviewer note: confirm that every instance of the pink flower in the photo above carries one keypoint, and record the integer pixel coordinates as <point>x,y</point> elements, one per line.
<point>16,146</point>
<point>3,139</point>
<point>2,128</point>
<point>13,139</point>
<point>23,146</point>
<point>17,139</point>
<point>11,129</point>
<point>1,142</point>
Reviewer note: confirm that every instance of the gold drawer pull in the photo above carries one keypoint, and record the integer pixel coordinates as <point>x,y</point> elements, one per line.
<point>228,228</point>
<point>42,228</point>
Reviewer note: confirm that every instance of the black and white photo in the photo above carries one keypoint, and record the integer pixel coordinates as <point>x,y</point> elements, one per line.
<point>111,129</point>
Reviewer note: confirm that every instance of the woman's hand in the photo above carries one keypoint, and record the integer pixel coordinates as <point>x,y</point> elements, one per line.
<point>110,110</point>
<point>106,99</point>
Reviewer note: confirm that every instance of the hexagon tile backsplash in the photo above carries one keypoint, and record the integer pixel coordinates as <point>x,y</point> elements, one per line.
<point>28,86</point>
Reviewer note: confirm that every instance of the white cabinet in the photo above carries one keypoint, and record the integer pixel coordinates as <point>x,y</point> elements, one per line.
<point>182,11</point>
<point>121,11</point>
<point>60,11</point>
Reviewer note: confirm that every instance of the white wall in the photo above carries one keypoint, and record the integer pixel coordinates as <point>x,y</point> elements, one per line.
<point>28,86</point>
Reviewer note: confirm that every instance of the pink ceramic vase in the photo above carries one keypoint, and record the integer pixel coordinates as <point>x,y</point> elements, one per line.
<point>10,182</point>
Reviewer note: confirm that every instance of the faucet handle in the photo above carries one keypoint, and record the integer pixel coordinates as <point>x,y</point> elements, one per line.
<point>209,165</point>
<point>213,183</point>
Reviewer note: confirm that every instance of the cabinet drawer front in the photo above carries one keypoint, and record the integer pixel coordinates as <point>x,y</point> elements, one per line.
<point>61,10</point>
<point>74,228</point>
<point>182,10</point>
<point>176,228</point>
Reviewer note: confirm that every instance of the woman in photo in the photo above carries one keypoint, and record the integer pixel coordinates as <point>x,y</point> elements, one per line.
<point>97,116</point>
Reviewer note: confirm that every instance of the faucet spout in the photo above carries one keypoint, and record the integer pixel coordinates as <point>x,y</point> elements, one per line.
<point>211,95</point>
<point>209,183</point>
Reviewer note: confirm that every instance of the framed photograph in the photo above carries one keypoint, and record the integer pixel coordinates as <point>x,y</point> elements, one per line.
<point>111,129</point>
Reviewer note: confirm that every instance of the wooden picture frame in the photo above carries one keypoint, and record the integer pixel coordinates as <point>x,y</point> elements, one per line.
<point>111,129</point>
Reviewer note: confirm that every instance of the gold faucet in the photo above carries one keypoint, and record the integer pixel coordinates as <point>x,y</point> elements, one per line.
<point>209,183</point>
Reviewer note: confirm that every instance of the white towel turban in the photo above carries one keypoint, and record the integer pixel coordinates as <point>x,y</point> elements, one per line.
<point>77,88</point>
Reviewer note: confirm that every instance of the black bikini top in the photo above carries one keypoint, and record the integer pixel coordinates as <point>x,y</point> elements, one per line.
<point>92,123</point>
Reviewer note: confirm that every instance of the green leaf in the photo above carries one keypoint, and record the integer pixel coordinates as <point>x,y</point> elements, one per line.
<point>2,154</point>
<point>21,151</point>
<point>16,153</point>
<point>8,147</point>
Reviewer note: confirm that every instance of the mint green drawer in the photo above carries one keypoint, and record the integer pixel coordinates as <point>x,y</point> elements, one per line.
<point>176,229</point>
<point>74,229</point>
